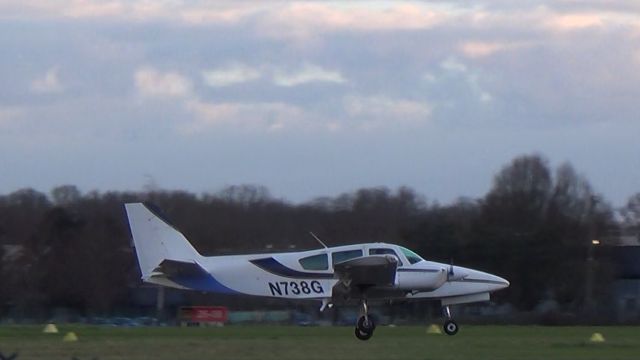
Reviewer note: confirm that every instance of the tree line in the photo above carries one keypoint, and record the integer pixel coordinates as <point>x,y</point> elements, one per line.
<point>534,227</point>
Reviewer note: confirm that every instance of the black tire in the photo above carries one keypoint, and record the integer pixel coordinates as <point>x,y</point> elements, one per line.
<point>450,327</point>
<point>366,324</point>
<point>363,335</point>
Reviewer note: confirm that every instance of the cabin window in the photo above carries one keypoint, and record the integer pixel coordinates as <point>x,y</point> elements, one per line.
<point>385,251</point>
<point>341,256</point>
<point>315,262</point>
<point>411,256</point>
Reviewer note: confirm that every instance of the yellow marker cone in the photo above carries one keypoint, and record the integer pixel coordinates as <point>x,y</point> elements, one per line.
<point>50,329</point>
<point>597,338</point>
<point>70,337</point>
<point>434,329</point>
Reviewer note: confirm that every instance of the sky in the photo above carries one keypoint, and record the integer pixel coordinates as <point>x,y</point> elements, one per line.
<point>316,98</point>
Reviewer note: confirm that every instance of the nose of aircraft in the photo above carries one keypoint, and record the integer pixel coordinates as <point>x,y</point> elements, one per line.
<point>502,283</point>
<point>493,282</point>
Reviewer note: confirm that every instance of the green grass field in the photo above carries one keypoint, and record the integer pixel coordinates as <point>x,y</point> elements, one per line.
<point>289,342</point>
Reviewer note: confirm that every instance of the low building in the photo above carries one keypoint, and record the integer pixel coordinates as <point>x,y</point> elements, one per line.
<point>626,288</point>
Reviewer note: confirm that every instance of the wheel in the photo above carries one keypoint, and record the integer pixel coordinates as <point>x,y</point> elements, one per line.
<point>366,324</point>
<point>365,327</point>
<point>363,335</point>
<point>450,327</point>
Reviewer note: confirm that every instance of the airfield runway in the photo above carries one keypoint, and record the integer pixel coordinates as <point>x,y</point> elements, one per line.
<point>289,342</point>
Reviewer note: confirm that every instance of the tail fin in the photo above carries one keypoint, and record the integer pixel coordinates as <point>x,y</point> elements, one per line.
<point>155,240</point>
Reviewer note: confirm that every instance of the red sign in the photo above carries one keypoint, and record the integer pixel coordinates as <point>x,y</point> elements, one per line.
<point>204,314</point>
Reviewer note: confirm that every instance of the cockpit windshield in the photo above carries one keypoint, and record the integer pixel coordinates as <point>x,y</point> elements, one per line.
<point>411,256</point>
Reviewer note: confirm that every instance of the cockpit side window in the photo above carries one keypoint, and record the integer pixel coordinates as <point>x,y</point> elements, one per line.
<point>341,256</point>
<point>384,251</point>
<point>315,262</point>
<point>411,256</point>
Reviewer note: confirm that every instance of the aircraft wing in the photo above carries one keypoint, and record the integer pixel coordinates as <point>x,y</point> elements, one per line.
<point>363,273</point>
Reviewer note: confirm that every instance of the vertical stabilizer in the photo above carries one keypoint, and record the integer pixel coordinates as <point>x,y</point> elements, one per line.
<point>155,240</point>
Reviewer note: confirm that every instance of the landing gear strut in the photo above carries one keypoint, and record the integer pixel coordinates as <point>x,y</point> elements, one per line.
<point>365,325</point>
<point>450,327</point>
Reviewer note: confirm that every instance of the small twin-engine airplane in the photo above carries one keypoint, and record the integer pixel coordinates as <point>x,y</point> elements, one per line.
<point>333,275</point>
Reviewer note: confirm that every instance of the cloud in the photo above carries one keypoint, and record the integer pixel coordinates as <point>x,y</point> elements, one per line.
<point>47,84</point>
<point>455,71</point>
<point>274,18</point>
<point>358,113</point>
<point>67,9</point>
<point>266,116</point>
<point>452,70</point>
<point>453,65</point>
<point>88,8</point>
<point>303,19</point>
<point>382,110</point>
<point>575,21</point>
<point>530,20</point>
<point>190,13</point>
<point>238,73</point>
<point>8,114</point>
<point>152,83</point>
<point>300,21</point>
<point>219,14</point>
<point>479,49</point>
<point>308,73</point>
<point>230,75</point>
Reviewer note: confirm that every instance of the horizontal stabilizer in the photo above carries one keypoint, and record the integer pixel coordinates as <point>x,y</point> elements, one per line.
<point>188,275</point>
<point>180,269</point>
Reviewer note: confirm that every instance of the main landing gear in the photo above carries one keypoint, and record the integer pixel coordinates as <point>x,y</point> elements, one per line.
<point>365,325</point>
<point>450,327</point>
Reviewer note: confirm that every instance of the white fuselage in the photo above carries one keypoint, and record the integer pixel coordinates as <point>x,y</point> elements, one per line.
<point>283,274</point>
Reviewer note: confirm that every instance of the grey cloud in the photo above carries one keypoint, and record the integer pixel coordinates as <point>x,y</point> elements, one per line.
<point>48,83</point>
<point>232,74</point>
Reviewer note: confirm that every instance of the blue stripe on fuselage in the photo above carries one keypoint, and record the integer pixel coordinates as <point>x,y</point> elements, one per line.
<point>203,282</point>
<point>275,267</point>
<point>418,270</point>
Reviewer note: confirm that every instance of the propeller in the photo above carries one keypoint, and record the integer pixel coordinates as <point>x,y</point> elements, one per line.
<point>451,275</point>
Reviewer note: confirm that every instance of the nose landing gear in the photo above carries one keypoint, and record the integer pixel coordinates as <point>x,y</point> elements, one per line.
<point>365,325</point>
<point>450,327</point>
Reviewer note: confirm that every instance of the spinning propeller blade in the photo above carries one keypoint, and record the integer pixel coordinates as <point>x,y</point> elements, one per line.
<point>450,272</point>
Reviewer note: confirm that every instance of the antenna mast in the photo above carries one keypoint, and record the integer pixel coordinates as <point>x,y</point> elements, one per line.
<point>318,239</point>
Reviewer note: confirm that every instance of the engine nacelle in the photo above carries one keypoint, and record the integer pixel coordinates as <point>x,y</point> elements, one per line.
<point>425,280</point>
